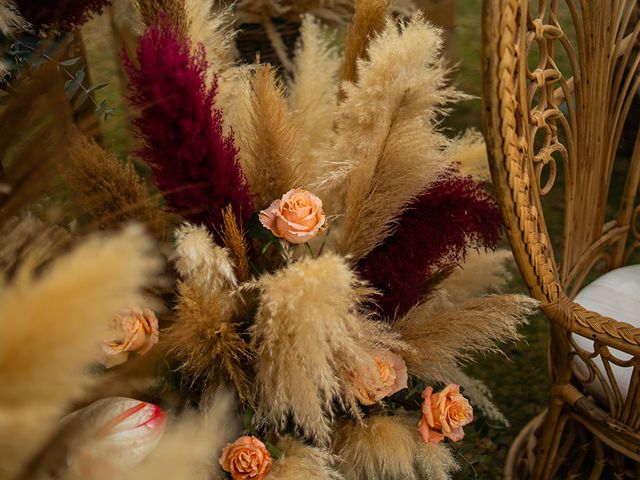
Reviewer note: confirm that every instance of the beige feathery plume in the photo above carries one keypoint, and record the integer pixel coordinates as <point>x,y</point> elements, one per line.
<point>11,22</point>
<point>206,336</point>
<point>308,336</point>
<point>481,272</point>
<point>110,191</point>
<point>51,327</point>
<point>390,448</point>
<point>312,94</point>
<point>368,19</point>
<point>234,100</point>
<point>386,148</point>
<point>470,153</point>
<point>267,144</point>
<point>478,393</point>
<point>191,447</point>
<point>302,462</point>
<point>175,10</point>
<point>236,242</point>
<point>442,338</point>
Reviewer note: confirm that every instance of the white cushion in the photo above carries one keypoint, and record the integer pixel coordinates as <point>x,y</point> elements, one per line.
<point>615,294</point>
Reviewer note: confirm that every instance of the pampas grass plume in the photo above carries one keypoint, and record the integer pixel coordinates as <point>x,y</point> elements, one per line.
<point>51,327</point>
<point>389,447</point>
<point>469,152</point>
<point>11,22</point>
<point>302,462</point>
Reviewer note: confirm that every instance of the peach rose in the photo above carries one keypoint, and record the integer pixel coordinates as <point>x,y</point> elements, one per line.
<point>132,330</point>
<point>444,414</point>
<point>297,217</point>
<point>246,459</point>
<point>387,375</point>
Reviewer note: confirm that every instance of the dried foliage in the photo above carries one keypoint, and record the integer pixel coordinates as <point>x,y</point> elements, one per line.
<point>312,95</point>
<point>386,149</point>
<point>206,337</point>
<point>443,337</point>
<point>190,447</point>
<point>72,301</point>
<point>308,335</point>
<point>235,241</point>
<point>111,192</point>
<point>469,152</point>
<point>175,12</point>
<point>450,216</point>
<point>389,447</point>
<point>302,462</point>
<point>11,22</point>
<point>267,144</point>
<point>368,19</point>
<point>194,165</point>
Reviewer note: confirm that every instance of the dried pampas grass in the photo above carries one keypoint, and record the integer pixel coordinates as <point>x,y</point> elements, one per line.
<point>386,149</point>
<point>390,448</point>
<point>51,327</point>
<point>312,96</point>
<point>442,338</point>
<point>302,462</point>
<point>190,447</point>
<point>175,11</point>
<point>470,153</point>
<point>267,144</point>
<point>111,192</point>
<point>368,19</point>
<point>236,242</point>
<point>482,271</point>
<point>11,22</point>
<point>206,336</point>
<point>308,338</point>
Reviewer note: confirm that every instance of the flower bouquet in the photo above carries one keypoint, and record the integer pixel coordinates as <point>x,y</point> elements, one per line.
<point>305,288</point>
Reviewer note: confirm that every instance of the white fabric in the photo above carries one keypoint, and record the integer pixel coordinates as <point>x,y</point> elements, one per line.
<point>615,294</point>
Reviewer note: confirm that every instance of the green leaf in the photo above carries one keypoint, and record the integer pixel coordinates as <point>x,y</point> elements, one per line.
<point>273,450</point>
<point>71,61</point>
<point>71,89</point>
<point>81,99</point>
<point>80,74</point>
<point>101,107</point>
<point>256,230</point>
<point>95,88</point>
<point>247,419</point>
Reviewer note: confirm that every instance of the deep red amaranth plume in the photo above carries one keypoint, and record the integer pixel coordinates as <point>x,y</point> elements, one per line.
<point>60,14</point>
<point>194,165</point>
<point>453,213</point>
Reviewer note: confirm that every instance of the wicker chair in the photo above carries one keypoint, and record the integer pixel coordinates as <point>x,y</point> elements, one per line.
<point>559,79</point>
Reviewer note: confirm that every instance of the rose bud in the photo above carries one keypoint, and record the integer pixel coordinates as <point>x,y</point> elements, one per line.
<point>246,459</point>
<point>297,217</point>
<point>132,330</point>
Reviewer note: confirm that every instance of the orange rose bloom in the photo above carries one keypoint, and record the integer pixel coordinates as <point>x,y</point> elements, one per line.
<point>132,330</point>
<point>444,414</point>
<point>246,459</point>
<point>297,217</point>
<point>386,375</point>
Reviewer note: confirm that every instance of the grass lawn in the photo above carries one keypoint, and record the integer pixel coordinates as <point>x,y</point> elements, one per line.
<point>518,379</point>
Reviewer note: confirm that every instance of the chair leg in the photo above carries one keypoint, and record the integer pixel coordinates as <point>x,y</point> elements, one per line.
<point>552,429</point>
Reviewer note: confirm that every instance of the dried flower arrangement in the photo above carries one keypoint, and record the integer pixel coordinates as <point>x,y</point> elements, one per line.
<point>312,269</point>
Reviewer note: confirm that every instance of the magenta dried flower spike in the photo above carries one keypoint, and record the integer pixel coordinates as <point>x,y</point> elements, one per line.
<point>194,164</point>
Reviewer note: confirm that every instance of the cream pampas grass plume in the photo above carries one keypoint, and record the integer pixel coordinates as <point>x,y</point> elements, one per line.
<point>442,338</point>
<point>51,327</point>
<point>386,149</point>
<point>111,192</point>
<point>267,144</point>
<point>302,462</point>
<point>11,22</point>
<point>481,272</point>
<point>206,337</point>
<point>312,95</point>
<point>308,336</point>
<point>470,153</point>
<point>191,446</point>
<point>368,19</point>
<point>390,447</point>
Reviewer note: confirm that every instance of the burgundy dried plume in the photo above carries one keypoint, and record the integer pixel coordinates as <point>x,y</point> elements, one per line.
<point>194,165</point>
<point>60,14</point>
<point>452,214</point>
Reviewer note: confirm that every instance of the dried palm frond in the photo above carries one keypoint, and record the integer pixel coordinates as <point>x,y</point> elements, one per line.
<point>442,338</point>
<point>267,144</point>
<point>191,447</point>
<point>470,153</point>
<point>51,326</point>
<point>312,96</point>
<point>368,19</point>
<point>386,149</point>
<point>390,448</point>
<point>111,192</point>
<point>206,337</point>
<point>302,462</point>
<point>236,242</point>
<point>308,334</point>
<point>481,272</point>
